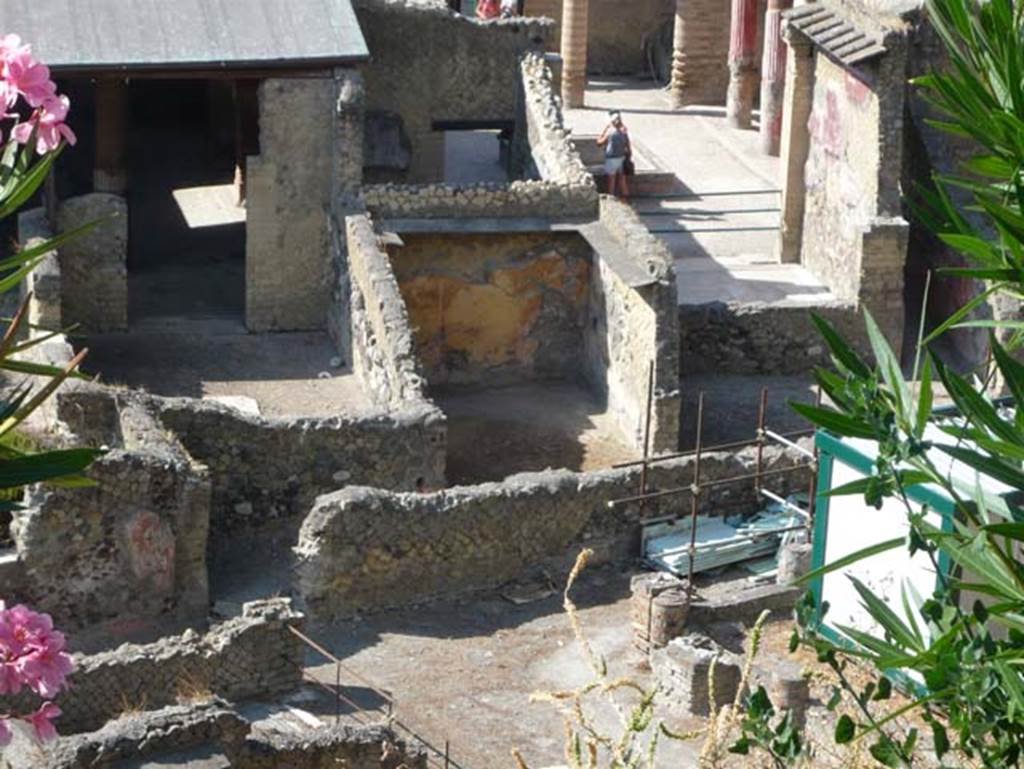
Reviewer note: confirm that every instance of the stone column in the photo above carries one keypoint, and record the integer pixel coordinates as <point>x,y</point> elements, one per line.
<point>773,76</point>
<point>742,63</point>
<point>111,171</point>
<point>575,23</point>
<point>678,90</point>
<point>795,143</point>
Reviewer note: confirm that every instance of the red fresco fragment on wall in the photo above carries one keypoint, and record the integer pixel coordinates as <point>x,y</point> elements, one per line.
<point>151,550</point>
<point>857,91</point>
<point>826,125</point>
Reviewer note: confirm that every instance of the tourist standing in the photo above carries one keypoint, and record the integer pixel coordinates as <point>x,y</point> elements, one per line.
<point>617,150</point>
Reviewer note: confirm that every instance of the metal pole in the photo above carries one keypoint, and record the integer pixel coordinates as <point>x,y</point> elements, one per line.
<point>707,450</point>
<point>762,416</point>
<point>812,493</point>
<point>647,431</point>
<point>710,484</point>
<point>694,499</point>
<point>447,748</point>
<point>337,694</point>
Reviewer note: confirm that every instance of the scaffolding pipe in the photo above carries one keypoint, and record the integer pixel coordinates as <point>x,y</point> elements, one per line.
<point>762,416</point>
<point>786,442</point>
<point>707,450</point>
<point>708,484</point>
<point>695,499</point>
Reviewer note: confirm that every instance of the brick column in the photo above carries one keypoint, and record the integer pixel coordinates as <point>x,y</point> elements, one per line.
<point>742,63</point>
<point>111,171</point>
<point>575,22</point>
<point>685,18</point>
<point>795,143</point>
<point>773,76</point>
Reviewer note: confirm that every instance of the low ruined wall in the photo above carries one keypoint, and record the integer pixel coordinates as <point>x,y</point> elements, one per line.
<point>263,469</point>
<point>94,265</point>
<point>383,352</point>
<point>725,338</point>
<point>163,735</point>
<point>631,326</point>
<point>253,655</point>
<point>132,547</point>
<point>363,549</point>
<point>43,283</point>
<point>498,308</point>
<point>430,65</point>
<point>542,141</point>
<point>516,200</point>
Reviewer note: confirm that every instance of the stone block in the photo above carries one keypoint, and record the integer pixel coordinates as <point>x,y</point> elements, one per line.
<point>696,675</point>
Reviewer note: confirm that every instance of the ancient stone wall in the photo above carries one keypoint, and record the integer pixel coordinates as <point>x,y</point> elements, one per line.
<point>854,235</point>
<point>758,338</point>
<point>362,549</point>
<point>618,34</point>
<point>430,65</point>
<point>498,308</point>
<point>542,141</point>
<point>383,350</point>
<point>43,283</point>
<point>132,547</point>
<point>93,266</point>
<point>264,469</point>
<point>289,275</point>
<point>632,324</point>
<point>516,200</point>
<point>252,655</point>
<point>175,734</point>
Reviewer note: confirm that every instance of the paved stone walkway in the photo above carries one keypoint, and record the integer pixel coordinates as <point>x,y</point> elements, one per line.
<point>722,232</point>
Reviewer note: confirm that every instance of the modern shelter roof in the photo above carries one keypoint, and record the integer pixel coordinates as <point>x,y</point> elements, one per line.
<point>140,35</point>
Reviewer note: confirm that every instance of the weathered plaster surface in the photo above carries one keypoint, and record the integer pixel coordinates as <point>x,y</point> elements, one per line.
<point>490,309</point>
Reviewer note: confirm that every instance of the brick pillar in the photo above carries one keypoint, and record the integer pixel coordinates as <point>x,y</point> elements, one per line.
<point>684,20</point>
<point>773,76</point>
<point>742,63</point>
<point>575,22</point>
<point>795,141</point>
<point>111,171</point>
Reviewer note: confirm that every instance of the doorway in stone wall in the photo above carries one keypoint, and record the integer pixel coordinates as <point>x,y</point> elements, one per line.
<point>187,226</point>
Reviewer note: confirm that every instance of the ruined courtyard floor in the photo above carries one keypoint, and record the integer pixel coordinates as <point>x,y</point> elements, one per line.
<point>288,375</point>
<point>727,220</point>
<point>497,432</point>
<point>463,672</point>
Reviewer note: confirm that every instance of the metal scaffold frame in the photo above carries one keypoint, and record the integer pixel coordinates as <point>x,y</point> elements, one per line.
<point>697,488</point>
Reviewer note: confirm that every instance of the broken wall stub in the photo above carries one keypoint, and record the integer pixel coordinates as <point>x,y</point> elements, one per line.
<point>383,348</point>
<point>696,675</point>
<point>289,274</point>
<point>854,234</point>
<point>431,65</point>
<point>42,285</point>
<point>252,655</point>
<point>495,309</point>
<point>363,549</point>
<point>515,200</point>
<point>132,547</point>
<point>175,734</point>
<point>94,265</point>
<point>632,324</point>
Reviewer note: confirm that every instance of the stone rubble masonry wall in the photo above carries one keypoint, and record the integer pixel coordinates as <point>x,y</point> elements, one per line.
<point>682,669</point>
<point>94,265</point>
<point>496,309</point>
<point>288,267</point>
<point>630,327</point>
<point>383,350</point>
<point>515,200</point>
<point>252,655</point>
<point>758,338</point>
<point>263,469</point>
<point>168,734</point>
<point>432,65</point>
<point>347,180</point>
<point>130,548</point>
<point>542,125</point>
<point>363,549</point>
<point>43,283</point>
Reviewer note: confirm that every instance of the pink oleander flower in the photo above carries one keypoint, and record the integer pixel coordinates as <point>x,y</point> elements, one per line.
<point>31,653</point>
<point>42,721</point>
<point>49,123</point>
<point>27,76</point>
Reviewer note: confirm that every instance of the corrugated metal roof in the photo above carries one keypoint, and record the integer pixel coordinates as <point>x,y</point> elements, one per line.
<point>834,34</point>
<point>185,34</point>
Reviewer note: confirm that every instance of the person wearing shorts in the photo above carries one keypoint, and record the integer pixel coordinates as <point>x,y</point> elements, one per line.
<point>615,140</point>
